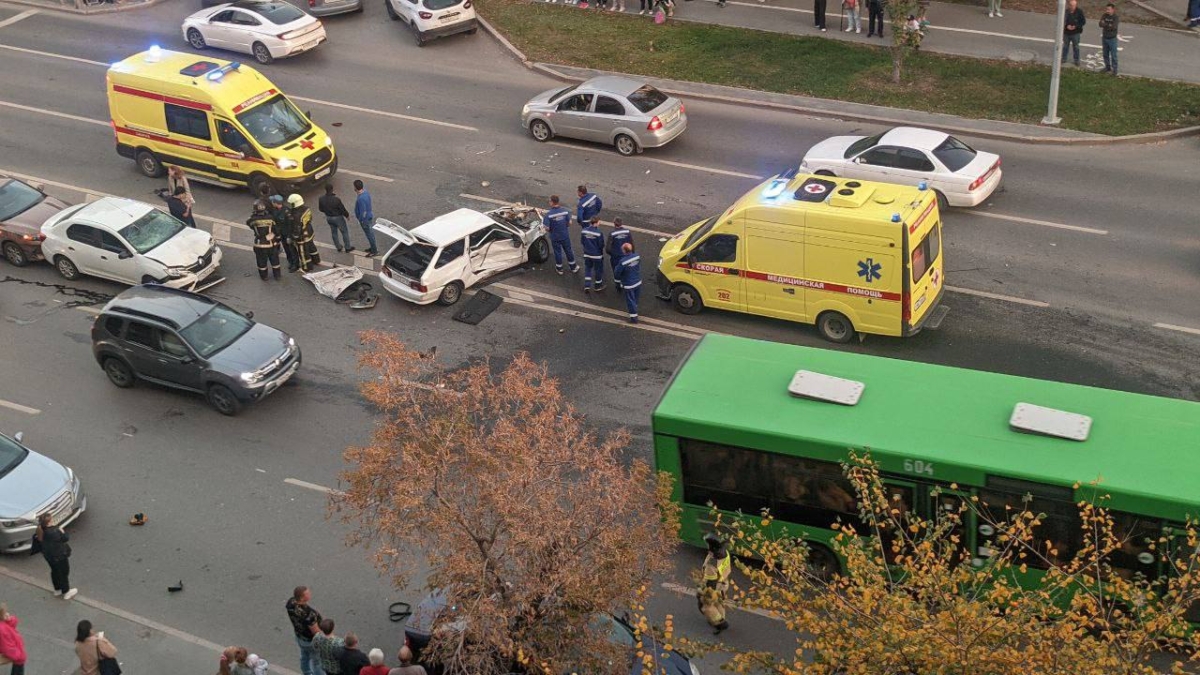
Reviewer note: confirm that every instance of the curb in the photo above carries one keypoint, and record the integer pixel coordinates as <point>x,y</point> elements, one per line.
<point>1151,137</point>
<point>85,11</point>
<point>1164,15</point>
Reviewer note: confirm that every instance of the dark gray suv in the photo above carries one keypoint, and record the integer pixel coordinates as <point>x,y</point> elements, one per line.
<point>179,339</point>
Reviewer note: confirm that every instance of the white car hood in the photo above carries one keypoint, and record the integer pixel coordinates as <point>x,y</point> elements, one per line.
<point>831,148</point>
<point>184,249</point>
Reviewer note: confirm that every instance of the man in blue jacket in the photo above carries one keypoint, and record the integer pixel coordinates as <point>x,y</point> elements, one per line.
<point>589,206</point>
<point>558,221</point>
<point>592,240</point>
<point>619,237</point>
<point>365,215</point>
<point>629,274</point>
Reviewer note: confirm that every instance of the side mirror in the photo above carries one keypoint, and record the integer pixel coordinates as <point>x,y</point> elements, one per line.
<point>186,359</point>
<point>516,240</point>
<point>19,436</point>
<point>124,255</point>
<point>249,315</point>
<point>308,114</point>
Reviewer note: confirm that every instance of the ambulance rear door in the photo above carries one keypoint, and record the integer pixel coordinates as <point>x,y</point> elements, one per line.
<point>924,282</point>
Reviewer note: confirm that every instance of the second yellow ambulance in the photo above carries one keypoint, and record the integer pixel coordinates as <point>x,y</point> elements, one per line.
<point>217,120</point>
<point>850,256</point>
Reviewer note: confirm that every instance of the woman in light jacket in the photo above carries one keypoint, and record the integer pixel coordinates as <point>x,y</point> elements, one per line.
<point>176,178</point>
<point>90,647</point>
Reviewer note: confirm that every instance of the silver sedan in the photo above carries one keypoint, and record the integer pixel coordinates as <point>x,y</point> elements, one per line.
<point>30,485</point>
<point>628,114</point>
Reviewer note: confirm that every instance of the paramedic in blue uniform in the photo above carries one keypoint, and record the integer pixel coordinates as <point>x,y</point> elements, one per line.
<point>589,206</point>
<point>629,274</point>
<point>619,237</point>
<point>592,240</point>
<point>558,221</point>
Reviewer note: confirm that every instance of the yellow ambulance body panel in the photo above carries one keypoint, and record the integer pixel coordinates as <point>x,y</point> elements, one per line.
<point>850,256</point>
<point>218,120</point>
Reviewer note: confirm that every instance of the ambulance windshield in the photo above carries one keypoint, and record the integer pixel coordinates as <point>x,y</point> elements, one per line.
<point>274,122</point>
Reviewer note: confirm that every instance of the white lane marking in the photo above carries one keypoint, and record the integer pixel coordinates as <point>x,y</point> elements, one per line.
<point>945,28</point>
<point>502,202</point>
<point>88,310</point>
<point>680,588</point>
<point>997,296</point>
<point>372,176</point>
<point>23,15</point>
<point>52,55</point>
<point>1181,329</point>
<point>52,113</point>
<point>311,486</point>
<point>1034,221</point>
<point>682,165</point>
<point>384,113</point>
<point>131,617</point>
<point>514,291</point>
<point>18,407</point>
<point>605,319</point>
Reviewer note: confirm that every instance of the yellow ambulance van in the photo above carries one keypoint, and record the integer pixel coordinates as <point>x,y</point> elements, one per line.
<point>217,120</point>
<point>850,256</point>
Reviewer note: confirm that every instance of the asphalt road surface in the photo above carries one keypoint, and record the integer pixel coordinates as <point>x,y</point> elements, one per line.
<point>1075,272</point>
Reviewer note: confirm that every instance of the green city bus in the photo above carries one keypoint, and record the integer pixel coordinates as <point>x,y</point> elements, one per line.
<point>734,434</point>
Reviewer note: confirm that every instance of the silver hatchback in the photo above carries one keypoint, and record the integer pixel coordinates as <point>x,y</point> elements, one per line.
<point>628,114</point>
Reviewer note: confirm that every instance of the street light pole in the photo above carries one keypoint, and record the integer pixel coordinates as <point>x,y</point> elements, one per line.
<point>1056,66</point>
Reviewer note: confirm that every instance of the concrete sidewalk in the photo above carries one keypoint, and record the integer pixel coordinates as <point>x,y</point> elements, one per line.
<point>966,30</point>
<point>143,645</point>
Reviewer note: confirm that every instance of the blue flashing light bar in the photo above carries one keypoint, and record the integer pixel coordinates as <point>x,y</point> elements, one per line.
<point>217,74</point>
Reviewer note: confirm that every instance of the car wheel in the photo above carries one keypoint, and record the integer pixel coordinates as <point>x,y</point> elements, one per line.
<point>149,165</point>
<point>451,293</point>
<point>260,184</point>
<point>66,268</point>
<point>625,145</point>
<point>417,34</point>
<point>539,252</point>
<point>118,373</point>
<point>686,299</point>
<point>15,254</point>
<point>195,39</point>
<point>223,400</point>
<point>261,53</point>
<point>835,327</point>
<point>391,12</point>
<point>822,563</point>
<point>824,172</point>
<point>541,131</point>
<point>943,204</point>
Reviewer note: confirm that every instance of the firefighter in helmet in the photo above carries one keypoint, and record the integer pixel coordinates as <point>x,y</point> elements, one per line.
<point>714,582</point>
<point>302,234</point>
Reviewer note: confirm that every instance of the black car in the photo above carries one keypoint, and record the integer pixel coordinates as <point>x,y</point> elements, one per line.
<point>179,339</point>
<point>420,626</point>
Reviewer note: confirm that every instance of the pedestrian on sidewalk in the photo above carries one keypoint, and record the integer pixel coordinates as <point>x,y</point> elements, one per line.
<point>853,18</point>
<point>819,14</point>
<point>646,7</point>
<point>1110,23</point>
<point>12,645</point>
<point>327,646</point>
<point>51,541</point>
<point>351,658</point>
<point>913,32</point>
<point>305,624</point>
<point>558,220</point>
<point>994,9</point>
<point>591,239</point>
<point>1193,13</point>
<point>619,237</point>
<point>335,215</point>
<point>875,17</point>
<point>376,666</point>
<point>239,661</point>
<point>364,212</point>
<point>1072,30</point>
<point>92,648</point>
<point>406,664</point>
<point>629,271</point>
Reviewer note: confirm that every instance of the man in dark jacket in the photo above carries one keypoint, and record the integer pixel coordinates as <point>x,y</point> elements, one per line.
<point>335,214</point>
<point>1072,30</point>
<point>1110,23</point>
<point>875,17</point>
<point>179,208</point>
<point>351,658</point>
<point>283,229</point>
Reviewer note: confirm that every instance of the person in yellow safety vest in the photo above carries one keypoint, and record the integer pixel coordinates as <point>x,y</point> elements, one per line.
<point>715,582</point>
<point>302,234</point>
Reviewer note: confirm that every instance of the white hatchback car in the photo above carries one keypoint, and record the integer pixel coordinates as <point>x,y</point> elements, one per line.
<point>957,173</point>
<point>436,261</point>
<point>130,242</point>
<point>266,30</point>
<point>429,19</point>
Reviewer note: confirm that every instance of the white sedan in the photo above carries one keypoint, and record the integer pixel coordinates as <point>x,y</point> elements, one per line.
<point>266,30</point>
<point>958,174</point>
<point>130,242</point>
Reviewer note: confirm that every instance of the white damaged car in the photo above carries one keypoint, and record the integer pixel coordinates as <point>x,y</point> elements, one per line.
<point>437,261</point>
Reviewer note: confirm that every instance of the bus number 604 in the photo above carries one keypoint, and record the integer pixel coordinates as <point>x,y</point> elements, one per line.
<point>918,466</point>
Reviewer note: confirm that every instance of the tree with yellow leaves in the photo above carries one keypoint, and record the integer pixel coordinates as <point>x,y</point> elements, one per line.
<point>913,601</point>
<point>528,524</point>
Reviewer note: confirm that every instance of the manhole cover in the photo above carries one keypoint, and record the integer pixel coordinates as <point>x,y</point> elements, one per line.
<point>1022,56</point>
<point>479,148</point>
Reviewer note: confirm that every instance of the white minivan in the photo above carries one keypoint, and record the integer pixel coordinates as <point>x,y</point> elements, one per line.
<point>429,19</point>
<point>436,261</point>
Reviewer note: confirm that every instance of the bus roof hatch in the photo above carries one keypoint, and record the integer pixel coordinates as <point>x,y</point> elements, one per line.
<point>819,387</point>
<point>1035,419</point>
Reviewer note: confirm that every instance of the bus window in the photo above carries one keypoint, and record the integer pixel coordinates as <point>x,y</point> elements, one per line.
<point>733,479</point>
<point>811,492</point>
<point>1056,540</point>
<point>1134,555</point>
